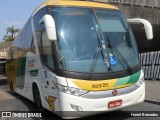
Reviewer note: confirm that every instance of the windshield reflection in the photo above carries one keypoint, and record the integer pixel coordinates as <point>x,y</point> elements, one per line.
<point>80,33</point>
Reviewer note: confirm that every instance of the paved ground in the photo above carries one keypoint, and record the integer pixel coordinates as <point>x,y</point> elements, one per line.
<point>8,102</point>
<point>153,91</point>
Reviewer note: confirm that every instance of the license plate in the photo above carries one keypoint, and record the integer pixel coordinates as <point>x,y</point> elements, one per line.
<point>115,103</point>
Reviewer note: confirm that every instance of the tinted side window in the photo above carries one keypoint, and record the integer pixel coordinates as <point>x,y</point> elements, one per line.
<point>25,37</point>
<point>47,51</point>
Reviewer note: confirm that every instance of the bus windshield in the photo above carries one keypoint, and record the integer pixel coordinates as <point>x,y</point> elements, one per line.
<point>84,34</point>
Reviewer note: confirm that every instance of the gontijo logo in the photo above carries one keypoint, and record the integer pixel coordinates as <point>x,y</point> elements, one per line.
<point>31,62</point>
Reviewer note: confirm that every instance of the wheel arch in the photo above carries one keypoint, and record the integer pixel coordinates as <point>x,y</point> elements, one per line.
<point>36,85</point>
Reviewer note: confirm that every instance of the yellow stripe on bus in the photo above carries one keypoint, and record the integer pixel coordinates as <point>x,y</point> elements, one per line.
<point>97,85</point>
<point>94,85</point>
<point>121,86</point>
<point>79,4</point>
<point>12,72</point>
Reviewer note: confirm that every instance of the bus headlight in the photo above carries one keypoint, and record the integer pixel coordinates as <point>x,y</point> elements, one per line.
<point>140,82</point>
<point>71,91</point>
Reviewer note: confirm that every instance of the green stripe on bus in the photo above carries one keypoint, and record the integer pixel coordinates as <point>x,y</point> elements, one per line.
<point>134,78</point>
<point>128,80</point>
<point>122,81</point>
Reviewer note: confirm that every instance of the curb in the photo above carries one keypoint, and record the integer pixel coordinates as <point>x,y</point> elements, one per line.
<point>152,101</point>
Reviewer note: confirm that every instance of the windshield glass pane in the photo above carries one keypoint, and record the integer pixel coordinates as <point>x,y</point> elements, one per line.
<point>80,35</point>
<point>115,28</point>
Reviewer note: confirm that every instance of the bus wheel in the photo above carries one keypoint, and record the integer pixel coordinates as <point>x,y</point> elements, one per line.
<point>9,84</point>
<point>37,99</point>
<point>11,88</point>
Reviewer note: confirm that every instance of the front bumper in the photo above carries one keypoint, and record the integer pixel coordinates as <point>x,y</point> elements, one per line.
<point>89,106</point>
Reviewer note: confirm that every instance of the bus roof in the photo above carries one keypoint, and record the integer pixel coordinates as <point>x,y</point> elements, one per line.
<point>79,3</point>
<point>76,3</point>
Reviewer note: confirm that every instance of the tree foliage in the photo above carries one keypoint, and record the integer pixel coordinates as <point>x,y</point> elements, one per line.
<point>10,34</point>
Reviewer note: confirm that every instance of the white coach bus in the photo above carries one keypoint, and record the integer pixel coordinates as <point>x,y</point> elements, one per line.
<point>78,56</point>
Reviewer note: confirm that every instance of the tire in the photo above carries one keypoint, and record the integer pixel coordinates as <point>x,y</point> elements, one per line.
<point>11,88</point>
<point>37,99</point>
<point>9,83</point>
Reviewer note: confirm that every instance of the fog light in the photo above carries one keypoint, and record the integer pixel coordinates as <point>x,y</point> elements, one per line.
<point>76,108</point>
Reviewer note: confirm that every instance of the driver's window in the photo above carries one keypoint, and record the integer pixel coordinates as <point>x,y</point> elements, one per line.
<point>47,53</point>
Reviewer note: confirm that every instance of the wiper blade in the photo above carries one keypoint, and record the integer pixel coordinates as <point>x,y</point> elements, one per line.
<point>93,65</point>
<point>119,56</point>
<point>99,48</point>
<point>129,69</point>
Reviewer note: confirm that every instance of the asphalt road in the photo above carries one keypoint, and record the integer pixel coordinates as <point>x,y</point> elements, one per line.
<point>8,102</point>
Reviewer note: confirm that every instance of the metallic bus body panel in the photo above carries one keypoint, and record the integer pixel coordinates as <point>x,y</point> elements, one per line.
<point>12,73</point>
<point>86,104</point>
<point>109,93</point>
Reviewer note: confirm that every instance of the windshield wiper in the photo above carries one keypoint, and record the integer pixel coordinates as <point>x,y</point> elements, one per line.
<point>119,56</point>
<point>93,64</point>
<point>99,48</point>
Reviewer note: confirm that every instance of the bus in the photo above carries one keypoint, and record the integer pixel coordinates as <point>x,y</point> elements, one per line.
<point>78,56</point>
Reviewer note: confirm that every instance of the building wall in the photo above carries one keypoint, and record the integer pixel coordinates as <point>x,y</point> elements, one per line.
<point>147,3</point>
<point>4,48</point>
<point>150,14</point>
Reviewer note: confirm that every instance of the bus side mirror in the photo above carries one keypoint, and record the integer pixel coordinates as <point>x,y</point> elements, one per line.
<point>147,26</point>
<point>49,25</point>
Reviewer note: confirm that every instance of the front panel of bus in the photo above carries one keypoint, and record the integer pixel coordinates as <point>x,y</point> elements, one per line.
<point>97,54</point>
<point>97,62</point>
